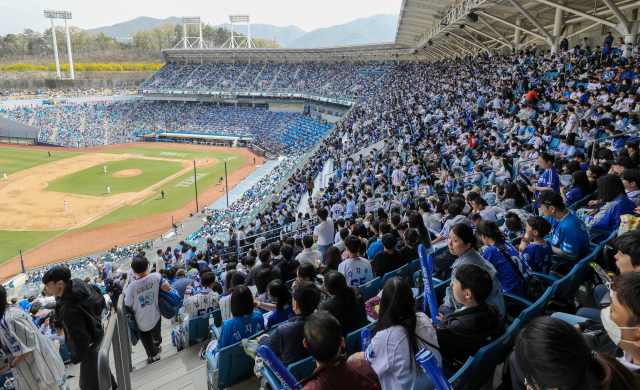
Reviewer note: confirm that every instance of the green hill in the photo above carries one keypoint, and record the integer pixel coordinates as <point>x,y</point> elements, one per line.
<point>374,29</point>
<point>124,29</point>
<point>284,35</point>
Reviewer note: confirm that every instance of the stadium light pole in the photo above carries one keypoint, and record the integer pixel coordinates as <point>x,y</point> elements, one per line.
<point>195,181</point>
<point>226,183</point>
<point>66,15</point>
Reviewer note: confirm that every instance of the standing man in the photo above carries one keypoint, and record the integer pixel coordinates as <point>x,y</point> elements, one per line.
<point>5,176</point>
<point>108,189</point>
<point>207,158</point>
<point>49,153</point>
<point>79,309</point>
<point>142,297</point>
<point>323,233</point>
<point>162,193</point>
<point>64,203</point>
<point>104,167</point>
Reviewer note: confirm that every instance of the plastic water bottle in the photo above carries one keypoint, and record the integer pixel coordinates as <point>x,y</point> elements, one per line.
<point>258,366</point>
<point>212,322</point>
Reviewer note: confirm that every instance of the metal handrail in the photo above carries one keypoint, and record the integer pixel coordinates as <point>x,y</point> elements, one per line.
<point>116,335</point>
<point>593,150</point>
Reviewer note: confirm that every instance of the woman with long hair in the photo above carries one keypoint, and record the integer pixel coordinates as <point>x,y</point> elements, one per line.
<point>333,260</point>
<point>579,189</point>
<point>552,354</point>
<point>496,253</point>
<point>611,204</point>
<point>594,172</point>
<point>512,198</point>
<point>281,307</point>
<point>462,242</point>
<point>400,334</point>
<point>416,223</point>
<point>409,251</point>
<point>346,303</point>
<point>232,281</point>
<point>36,362</point>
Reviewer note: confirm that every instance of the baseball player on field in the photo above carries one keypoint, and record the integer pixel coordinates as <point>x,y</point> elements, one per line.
<point>64,203</point>
<point>108,189</point>
<point>5,176</point>
<point>104,167</point>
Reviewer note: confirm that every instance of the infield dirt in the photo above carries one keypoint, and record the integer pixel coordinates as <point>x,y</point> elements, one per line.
<point>77,243</point>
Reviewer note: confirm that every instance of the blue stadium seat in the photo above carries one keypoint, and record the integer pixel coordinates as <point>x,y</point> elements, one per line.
<point>353,343</point>
<point>234,366</point>
<point>371,289</point>
<point>197,329</point>
<point>289,283</point>
<point>303,368</point>
<point>402,273</point>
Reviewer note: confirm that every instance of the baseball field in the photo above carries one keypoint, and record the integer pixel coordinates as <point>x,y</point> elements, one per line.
<point>113,195</point>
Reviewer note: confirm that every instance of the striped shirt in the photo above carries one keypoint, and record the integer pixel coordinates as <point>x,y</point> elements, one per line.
<point>18,336</point>
<point>202,301</point>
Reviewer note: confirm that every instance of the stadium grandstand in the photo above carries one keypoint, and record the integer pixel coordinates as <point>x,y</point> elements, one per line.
<point>470,189</point>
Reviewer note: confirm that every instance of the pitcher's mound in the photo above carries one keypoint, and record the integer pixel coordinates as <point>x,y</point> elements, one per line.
<point>127,173</point>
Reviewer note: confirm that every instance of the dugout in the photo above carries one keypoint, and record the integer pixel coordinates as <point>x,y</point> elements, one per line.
<point>13,132</point>
<point>205,139</point>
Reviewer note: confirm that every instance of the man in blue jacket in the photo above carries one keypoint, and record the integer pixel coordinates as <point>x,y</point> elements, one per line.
<point>287,341</point>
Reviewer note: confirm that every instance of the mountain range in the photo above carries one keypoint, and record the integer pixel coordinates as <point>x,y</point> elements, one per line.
<point>374,29</point>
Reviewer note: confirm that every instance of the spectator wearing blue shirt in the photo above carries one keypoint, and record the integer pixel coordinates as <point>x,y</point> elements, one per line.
<point>549,180</point>
<point>244,322</point>
<point>377,246</point>
<point>496,248</point>
<point>282,309</point>
<point>182,282</point>
<point>578,190</point>
<point>536,251</point>
<point>25,302</point>
<point>612,203</point>
<point>569,236</point>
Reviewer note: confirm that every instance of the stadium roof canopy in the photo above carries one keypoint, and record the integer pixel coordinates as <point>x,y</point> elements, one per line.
<point>439,29</point>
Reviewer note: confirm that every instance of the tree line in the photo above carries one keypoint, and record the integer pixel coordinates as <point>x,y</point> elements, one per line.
<point>150,40</point>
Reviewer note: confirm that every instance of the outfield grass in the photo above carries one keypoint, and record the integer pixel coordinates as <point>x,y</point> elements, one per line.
<point>177,192</point>
<point>14,160</point>
<point>11,242</point>
<point>93,181</point>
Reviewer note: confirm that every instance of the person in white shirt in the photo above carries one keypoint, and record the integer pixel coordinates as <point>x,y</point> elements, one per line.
<point>142,296</point>
<point>159,261</point>
<point>323,233</point>
<point>430,221</point>
<point>356,269</point>
<point>483,209</point>
<point>199,301</point>
<point>398,339</point>
<point>308,255</point>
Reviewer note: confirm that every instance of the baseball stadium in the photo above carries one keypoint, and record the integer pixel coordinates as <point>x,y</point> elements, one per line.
<point>455,208</point>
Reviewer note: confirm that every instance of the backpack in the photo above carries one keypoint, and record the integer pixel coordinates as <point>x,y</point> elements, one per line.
<point>167,302</point>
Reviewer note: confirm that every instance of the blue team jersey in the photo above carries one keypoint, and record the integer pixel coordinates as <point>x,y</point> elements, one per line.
<point>279,316</point>
<point>548,179</point>
<point>509,279</point>
<point>573,196</point>
<point>570,235</point>
<point>238,328</point>
<point>538,257</point>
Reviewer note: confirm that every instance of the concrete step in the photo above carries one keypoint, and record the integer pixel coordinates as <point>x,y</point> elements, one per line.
<point>157,379</point>
<point>197,378</point>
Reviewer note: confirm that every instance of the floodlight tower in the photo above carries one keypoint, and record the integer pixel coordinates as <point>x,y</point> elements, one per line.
<point>240,18</point>
<point>187,41</point>
<point>66,15</point>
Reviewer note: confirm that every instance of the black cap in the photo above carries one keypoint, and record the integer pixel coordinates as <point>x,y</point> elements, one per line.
<point>626,162</point>
<point>549,198</point>
<point>631,144</point>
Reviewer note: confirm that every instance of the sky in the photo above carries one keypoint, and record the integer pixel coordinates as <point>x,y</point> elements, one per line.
<point>16,15</point>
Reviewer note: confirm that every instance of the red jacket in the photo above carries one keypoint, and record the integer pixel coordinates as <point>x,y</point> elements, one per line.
<point>338,375</point>
<point>532,95</point>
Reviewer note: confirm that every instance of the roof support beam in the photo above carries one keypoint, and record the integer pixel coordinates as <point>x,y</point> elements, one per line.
<point>446,48</point>
<point>616,11</point>
<point>482,45</point>
<point>486,35</point>
<point>524,12</point>
<point>458,45</point>
<point>484,21</point>
<point>468,41</point>
<point>580,13</point>
<point>514,26</point>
